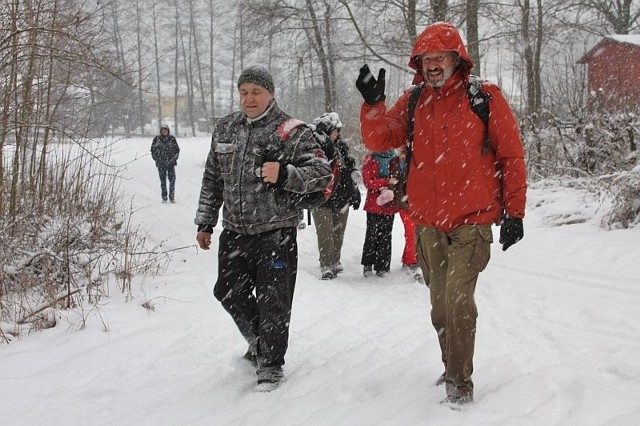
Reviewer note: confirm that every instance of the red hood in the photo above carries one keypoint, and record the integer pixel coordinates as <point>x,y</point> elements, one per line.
<point>438,37</point>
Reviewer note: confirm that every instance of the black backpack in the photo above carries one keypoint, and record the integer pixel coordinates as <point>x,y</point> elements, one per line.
<point>479,101</point>
<point>315,199</point>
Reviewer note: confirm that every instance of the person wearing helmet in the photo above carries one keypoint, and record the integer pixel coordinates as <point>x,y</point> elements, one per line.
<point>456,189</point>
<point>165,152</point>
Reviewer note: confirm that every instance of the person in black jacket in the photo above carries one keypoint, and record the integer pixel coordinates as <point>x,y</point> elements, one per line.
<point>165,152</point>
<point>331,218</point>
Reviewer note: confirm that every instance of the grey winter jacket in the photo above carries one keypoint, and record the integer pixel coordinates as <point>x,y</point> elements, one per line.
<point>238,148</point>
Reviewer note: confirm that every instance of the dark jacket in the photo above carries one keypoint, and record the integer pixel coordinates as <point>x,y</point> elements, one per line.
<point>237,148</point>
<point>165,150</point>
<point>398,169</point>
<point>346,192</point>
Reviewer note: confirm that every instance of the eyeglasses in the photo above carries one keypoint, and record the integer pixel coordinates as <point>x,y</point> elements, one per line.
<point>435,59</point>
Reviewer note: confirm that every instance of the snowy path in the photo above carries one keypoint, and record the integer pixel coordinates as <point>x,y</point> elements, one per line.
<point>558,336</point>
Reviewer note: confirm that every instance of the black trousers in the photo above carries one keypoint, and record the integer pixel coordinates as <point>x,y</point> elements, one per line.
<point>377,241</point>
<point>167,173</point>
<point>256,281</point>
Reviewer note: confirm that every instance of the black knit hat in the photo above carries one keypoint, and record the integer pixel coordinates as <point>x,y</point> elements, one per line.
<point>259,75</point>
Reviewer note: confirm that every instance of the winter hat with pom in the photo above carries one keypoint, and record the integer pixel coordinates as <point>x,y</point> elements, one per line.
<point>259,75</point>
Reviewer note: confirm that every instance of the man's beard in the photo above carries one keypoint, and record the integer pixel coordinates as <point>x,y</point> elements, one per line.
<point>445,74</point>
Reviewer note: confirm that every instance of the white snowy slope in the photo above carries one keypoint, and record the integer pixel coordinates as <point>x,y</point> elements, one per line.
<point>557,344</point>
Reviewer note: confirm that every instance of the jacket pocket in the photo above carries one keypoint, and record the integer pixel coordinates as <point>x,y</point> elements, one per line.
<point>482,248</point>
<point>225,154</point>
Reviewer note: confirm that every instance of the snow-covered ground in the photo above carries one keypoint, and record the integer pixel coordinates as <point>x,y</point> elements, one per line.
<point>558,339</point>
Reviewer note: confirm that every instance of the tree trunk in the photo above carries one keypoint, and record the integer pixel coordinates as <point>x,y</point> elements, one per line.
<point>473,44</point>
<point>157,63</point>
<point>440,8</point>
<point>528,57</point>
<point>315,38</point>
<point>205,110</point>
<point>212,83</point>
<point>537,61</point>
<point>176,80</point>
<point>188,74</point>
<point>141,108</point>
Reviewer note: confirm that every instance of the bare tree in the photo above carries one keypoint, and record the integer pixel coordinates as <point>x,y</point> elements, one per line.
<point>473,43</point>
<point>212,83</point>
<point>139,47</point>
<point>620,16</point>
<point>440,9</point>
<point>198,63</point>
<point>176,60</point>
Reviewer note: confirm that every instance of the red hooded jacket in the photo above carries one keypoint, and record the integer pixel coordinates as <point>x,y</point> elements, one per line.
<point>452,182</point>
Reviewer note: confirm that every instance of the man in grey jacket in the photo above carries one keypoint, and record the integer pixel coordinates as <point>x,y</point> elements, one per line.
<point>259,158</point>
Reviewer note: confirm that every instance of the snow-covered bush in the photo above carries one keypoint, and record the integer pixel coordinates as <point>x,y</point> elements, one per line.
<point>67,244</point>
<point>600,148</point>
<point>625,193</point>
<point>591,144</point>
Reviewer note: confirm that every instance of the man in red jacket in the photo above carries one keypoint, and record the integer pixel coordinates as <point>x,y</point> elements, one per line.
<point>457,185</point>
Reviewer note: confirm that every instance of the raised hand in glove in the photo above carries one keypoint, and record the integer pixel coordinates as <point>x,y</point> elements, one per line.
<point>511,231</point>
<point>372,90</point>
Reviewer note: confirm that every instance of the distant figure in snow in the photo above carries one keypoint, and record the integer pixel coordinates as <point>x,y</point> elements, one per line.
<point>165,152</point>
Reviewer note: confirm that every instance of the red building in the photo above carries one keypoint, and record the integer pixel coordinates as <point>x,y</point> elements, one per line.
<point>613,72</point>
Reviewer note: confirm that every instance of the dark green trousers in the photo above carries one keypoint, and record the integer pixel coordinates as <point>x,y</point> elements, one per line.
<point>451,263</point>
<point>330,227</point>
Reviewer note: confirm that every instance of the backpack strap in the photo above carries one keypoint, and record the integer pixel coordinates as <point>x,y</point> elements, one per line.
<point>413,102</point>
<point>479,102</point>
<point>284,130</point>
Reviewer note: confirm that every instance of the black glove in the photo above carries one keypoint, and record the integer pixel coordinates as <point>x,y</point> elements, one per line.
<point>511,231</point>
<point>372,90</point>
<point>356,199</point>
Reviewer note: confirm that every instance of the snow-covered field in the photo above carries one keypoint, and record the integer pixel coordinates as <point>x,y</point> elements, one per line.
<point>558,338</point>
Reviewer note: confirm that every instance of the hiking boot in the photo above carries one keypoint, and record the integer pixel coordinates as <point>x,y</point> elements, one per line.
<point>337,268</point>
<point>367,271</point>
<point>269,380</point>
<point>441,380</point>
<point>457,402</point>
<point>381,274</point>
<point>414,271</point>
<point>327,273</point>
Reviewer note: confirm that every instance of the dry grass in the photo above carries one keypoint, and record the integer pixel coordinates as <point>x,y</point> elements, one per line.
<point>66,245</point>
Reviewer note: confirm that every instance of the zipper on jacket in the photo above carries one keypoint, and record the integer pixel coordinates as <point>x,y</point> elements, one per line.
<point>242,173</point>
